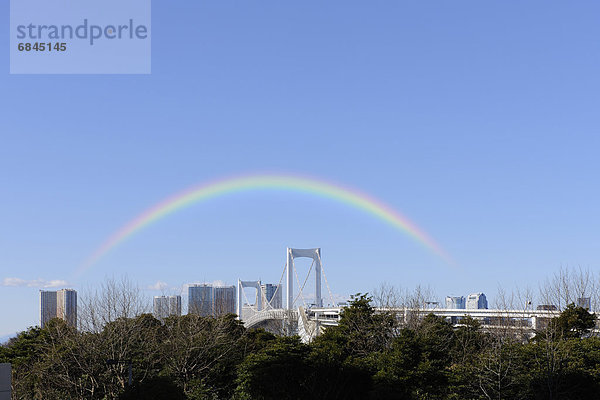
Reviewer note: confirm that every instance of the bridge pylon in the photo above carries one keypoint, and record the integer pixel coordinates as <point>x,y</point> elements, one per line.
<point>240,291</point>
<point>315,254</point>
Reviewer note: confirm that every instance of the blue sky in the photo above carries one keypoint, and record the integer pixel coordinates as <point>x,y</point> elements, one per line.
<point>477,120</point>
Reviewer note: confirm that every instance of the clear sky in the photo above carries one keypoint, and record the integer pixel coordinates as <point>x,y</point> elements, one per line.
<point>477,120</point>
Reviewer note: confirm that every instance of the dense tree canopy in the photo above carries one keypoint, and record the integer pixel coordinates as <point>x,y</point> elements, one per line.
<point>369,355</point>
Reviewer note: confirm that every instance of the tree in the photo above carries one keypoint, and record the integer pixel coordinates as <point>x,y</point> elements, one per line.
<point>279,371</point>
<point>498,369</point>
<point>203,348</point>
<point>436,338</point>
<point>336,373</point>
<point>573,322</point>
<point>365,330</point>
<point>157,388</point>
<point>23,353</point>
<point>467,345</point>
<point>555,354</point>
<point>468,341</point>
<point>567,285</point>
<point>417,364</point>
<point>397,374</point>
<point>114,299</point>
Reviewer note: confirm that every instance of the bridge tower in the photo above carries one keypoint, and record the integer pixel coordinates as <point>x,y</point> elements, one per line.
<point>315,254</point>
<point>240,291</point>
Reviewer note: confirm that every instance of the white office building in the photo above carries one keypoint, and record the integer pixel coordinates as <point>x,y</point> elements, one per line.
<point>455,302</point>
<point>477,301</point>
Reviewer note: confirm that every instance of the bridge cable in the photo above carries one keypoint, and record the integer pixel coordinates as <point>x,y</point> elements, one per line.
<point>248,302</point>
<point>260,293</point>
<point>300,294</point>
<point>326,283</point>
<point>276,290</point>
<point>305,280</point>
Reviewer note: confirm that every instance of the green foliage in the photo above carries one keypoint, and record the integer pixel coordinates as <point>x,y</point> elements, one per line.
<point>155,388</point>
<point>397,375</point>
<point>417,365</point>
<point>364,330</point>
<point>23,349</point>
<point>565,369</point>
<point>573,322</point>
<point>367,356</point>
<point>276,372</point>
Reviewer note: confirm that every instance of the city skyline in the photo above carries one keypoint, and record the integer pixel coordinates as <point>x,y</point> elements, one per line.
<point>475,122</point>
<point>210,300</point>
<point>217,298</point>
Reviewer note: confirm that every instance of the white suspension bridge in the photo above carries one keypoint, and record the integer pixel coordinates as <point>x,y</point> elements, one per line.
<point>310,319</point>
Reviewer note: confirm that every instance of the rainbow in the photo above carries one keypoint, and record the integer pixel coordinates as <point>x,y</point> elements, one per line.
<point>290,183</point>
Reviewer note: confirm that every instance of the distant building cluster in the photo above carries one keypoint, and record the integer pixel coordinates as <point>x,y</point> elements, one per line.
<point>203,299</point>
<point>478,301</point>
<point>474,301</point>
<point>58,304</point>
<point>166,306</point>
<point>583,302</point>
<point>214,300</point>
<point>209,300</point>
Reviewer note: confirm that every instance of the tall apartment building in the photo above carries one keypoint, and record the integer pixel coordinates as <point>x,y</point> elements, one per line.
<point>58,304</point>
<point>207,300</point>
<point>477,301</point>
<point>66,306</point>
<point>455,302</point>
<point>271,296</point>
<point>47,306</point>
<point>165,306</point>
<point>200,299</point>
<point>224,300</point>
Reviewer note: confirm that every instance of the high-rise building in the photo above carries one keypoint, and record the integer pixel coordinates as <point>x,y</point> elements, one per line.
<point>584,302</point>
<point>207,300</point>
<point>165,306</point>
<point>224,300</point>
<point>271,296</point>
<point>47,306</point>
<point>66,306</point>
<point>200,299</point>
<point>455,302</point>
<point>477,301</point>
<point>61,304</point>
